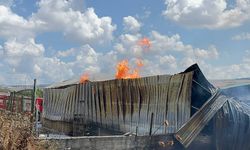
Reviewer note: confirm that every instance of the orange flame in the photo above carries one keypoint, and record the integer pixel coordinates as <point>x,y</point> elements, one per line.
<point>84,78</point>
<point>139,63</point>
<point>123,70</point>
<point>145,43</point>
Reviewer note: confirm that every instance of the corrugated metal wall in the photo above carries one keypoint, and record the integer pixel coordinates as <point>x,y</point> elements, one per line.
<point>125,104</point>
<point>59,104</point>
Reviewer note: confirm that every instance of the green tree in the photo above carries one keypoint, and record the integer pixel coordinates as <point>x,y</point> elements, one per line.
<point>39,93</point>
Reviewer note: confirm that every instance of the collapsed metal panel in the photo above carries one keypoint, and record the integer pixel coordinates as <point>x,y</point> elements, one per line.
<point>188,132</point>
<point>202,90</point>
<point>232,127</point>
<point>231,124</point>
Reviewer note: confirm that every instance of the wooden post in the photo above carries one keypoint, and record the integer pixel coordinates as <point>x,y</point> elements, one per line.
<point>151,124</point>
<point>22,102</point>
<point>10,107</point>
<point>13,102</point>
<point>9,101</point>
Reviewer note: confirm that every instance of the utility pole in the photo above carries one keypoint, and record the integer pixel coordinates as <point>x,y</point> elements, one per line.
<point>33,101</point>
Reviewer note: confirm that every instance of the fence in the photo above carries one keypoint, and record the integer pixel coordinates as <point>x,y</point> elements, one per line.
<point>15,103</point>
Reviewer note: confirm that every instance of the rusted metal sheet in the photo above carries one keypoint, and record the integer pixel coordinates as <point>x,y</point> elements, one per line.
<point>125,105</point>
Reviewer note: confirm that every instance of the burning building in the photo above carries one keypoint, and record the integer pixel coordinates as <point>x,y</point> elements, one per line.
<point>180,107</point>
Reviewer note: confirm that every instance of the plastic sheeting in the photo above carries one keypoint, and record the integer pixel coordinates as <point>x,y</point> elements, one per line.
<point>232,126</point>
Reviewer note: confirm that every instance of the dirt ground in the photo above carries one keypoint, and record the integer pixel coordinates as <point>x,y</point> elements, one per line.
<point>16,133</point>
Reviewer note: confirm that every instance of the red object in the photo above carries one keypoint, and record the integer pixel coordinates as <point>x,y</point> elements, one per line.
<point>3,99</point>
<point>39,104</point>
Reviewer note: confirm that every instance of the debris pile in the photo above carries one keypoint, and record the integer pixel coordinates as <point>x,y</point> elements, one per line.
<point>15,133</point>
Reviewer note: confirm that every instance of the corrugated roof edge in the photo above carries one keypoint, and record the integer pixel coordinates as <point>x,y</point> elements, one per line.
<point>65,83</point>
<point>75,81</point>
<point>188,132</point>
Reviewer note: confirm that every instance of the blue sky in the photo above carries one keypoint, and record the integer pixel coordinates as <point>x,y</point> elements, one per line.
<point>55,40</point>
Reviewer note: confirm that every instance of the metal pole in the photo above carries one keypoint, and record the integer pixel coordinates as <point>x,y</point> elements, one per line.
<point>33,97</point>
<point>136,131</point>
<point>151,124</point>
<point>33,103</point>
<point>36,121</point>
<point>13,102</point>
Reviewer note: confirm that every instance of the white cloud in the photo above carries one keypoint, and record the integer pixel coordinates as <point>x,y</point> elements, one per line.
<point>57,16</point>
<point>241,70</point>
<point>242,36</point>
<point>28,48</point>
<point>27,58</point>
<point>53,69</point>
<point>66,53</point>
<point>87,55</point>
<point>84,27</point>
<point>162,44</point>
<point>206,13</point>
<point>168,60</point>
<point>131,24</point>
<point>167,54</point>
<point>37,70</point>
<point>16,54</point>
<point>23,58</point>
<point>211,53</point>
<point>14,26</point>
<point>128,45</point>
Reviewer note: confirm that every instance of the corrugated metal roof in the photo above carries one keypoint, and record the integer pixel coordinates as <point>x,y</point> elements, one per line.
<point>64,83</point>
<point>187,133</point>
<point>230,83</point>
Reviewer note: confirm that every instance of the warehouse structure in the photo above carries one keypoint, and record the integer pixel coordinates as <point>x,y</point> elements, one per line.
<point>183,105</point>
